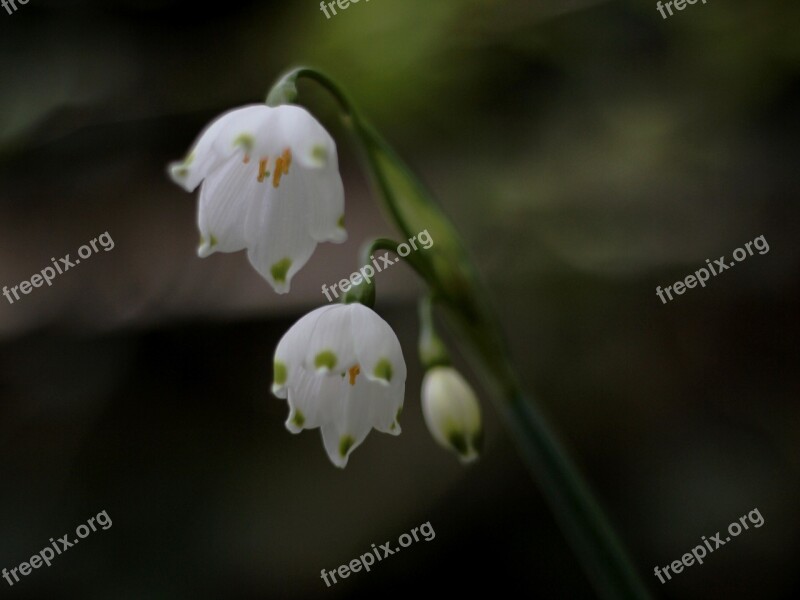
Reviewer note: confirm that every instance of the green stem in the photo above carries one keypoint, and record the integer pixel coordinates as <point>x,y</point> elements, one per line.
<point>456,286</point>
<point>285,91</point>
<point>432,350</point>
<point>364,292</point>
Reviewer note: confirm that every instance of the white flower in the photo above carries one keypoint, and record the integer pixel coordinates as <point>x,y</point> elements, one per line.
<point>271,184</point>
<point>341,368</point>
<point>451,412</point>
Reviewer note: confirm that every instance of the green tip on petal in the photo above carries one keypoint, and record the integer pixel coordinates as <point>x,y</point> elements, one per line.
<point>319,153</point>
<point>245,140</point>
<point>459,442</point>
<point>280,373</point>
<point>325,359</point>
<point>280,269</point>
<point>207,245</point>
<point>340,222</point>
<point>299,418</point>
<point>383,370</point>
<point>345,443</point>
<point>181,170</point>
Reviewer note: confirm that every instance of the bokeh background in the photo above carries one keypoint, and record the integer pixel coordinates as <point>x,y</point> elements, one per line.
<point>587,151</point>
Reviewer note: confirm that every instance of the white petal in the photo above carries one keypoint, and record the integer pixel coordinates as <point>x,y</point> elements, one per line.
<point>291,349</point>
<point>278,264</point>
<point>206,154</point>
<point>361,408</point>
<point>284,206</point>
<point>312,400</point>
<point>315,158</point>
<point>239,134</point>
<point>279,257</point>
<point>277,231</point>
<point>226,200</point>
<point>331,439</point>
<point>381,404</point>
<point>295,128</point>
<point>355,411</point>
<point>324,191</point>
<point>345,433</point>
<point>330,347</point>
<point>377,348</point>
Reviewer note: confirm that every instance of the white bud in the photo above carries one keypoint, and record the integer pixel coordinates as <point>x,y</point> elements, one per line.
<point>451,412</point>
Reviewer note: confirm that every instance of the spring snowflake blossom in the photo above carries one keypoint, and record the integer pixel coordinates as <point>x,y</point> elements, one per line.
<point>270,184</point>
<point>341,368</point>
<point>452,412</point>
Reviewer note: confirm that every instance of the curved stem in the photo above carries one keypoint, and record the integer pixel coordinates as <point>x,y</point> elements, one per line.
<point>414,261</point>
<point>364,292</point>
<point>451,278</point>
<point>285,91</point>
<point>432,350</point>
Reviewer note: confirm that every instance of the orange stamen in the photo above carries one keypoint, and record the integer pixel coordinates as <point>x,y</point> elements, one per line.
<point>246,159</point>
<point>354,371</point>
<point>287,160</point>
<point>279,170</point>
<point>262,169</point>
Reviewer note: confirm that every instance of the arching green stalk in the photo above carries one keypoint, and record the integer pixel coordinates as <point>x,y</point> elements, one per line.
<point>451,278</point>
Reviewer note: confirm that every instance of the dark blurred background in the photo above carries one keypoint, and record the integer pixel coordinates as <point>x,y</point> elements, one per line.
<point>588,151</point>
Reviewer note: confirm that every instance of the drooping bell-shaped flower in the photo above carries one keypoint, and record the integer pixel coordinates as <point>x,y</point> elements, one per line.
<point>270,184</point>
<point>341,368</point>
<point>452,412</point>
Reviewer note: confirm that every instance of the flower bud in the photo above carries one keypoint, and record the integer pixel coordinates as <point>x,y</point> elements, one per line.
<point>451,412</point>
